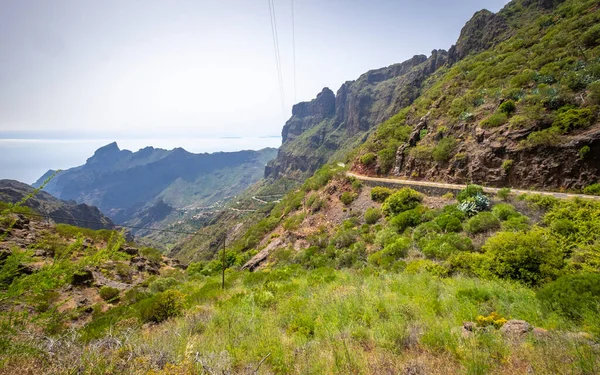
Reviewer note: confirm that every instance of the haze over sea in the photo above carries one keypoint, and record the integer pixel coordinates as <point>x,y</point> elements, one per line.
<point>27,159</point>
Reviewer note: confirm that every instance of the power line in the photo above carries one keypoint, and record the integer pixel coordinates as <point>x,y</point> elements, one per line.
<point>294,47</point>
<point>277,54</point>
<point>115,225</point>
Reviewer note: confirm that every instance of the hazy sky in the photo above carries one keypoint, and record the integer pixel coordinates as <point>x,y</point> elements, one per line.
<point>158,70</point>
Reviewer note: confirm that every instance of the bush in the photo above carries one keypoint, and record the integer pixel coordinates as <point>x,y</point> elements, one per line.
<point>470,191</point>
<point>163,284</point>
<point>409,218</point>
<point>533,257</point>
<point>504,193</point>
<point>516,223</point>
<point>163,306</point>
<point>572,295</point>
<point>569,118</point>
<point>391,253</point>
<point>380,194</point>
<point>482,222</point>
<point>449,223</point>
<point>444,245</point>
<point>504,211</point>
<point>422,152</point>
<point>495,120</point>
<point>591,38</point>
<point>368,159</point>
<point>348,197</point>
<point>108,293</point>
<point>151,254</point>
<point>442,152</point>
<point>372,215</point>
<point>403,200</point>
<point>593,189</point>
<point>583,152</point>
<point>386,157</point>
<point>508,107</point>
<point>507,165</point>
<point>595,92</point>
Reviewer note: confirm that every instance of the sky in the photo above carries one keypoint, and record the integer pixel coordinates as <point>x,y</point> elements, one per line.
<point>77,74</point>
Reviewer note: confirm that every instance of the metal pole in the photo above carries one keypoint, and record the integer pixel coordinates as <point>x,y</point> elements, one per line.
<point>223,265</point>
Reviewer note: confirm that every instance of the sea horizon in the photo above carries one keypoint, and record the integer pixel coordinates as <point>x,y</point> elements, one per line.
<point>27,159</point>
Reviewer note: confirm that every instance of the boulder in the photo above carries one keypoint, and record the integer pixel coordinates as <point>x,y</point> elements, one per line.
<point>516,328</point>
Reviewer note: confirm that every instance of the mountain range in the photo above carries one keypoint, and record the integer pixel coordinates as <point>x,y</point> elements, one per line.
<point>156,187</point>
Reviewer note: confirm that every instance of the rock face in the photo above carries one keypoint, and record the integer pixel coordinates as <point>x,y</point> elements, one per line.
<point>482,32</point>
<point>516,328</point>
<point>67,212</point>
<point>329,123</point>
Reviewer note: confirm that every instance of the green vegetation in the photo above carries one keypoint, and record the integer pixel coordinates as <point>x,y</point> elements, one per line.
<point>593,189</point>
<point>443,150</point>
<point>403,200</point>
<point>348,197</point>
<point>372,215</point>
<point>109,293</point>
<point>380,194</point>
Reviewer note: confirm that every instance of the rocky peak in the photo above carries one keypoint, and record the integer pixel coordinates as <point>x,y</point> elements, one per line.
<point>484,30</point>
<point>306,114</point>
<point>105,155</point>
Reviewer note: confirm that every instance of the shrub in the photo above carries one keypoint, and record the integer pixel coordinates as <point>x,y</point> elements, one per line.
<point>504,211</point>
<point>348,197</point>
<point>495,120</point>
<point>508,107</point>
<point>442,152</point>
<point>444,245</point>
<point>572,295</point>
<point>504,193</point>
<point>516,223</point>
<point>151,254</point>
<point>532,257</point>
<point>595,92</point>
<point>569,118</point>
<point>470,191</point>
<point>391,253</point>
<point>584,151</point>
<point>422,152</point>
<point>518,121</point>
<point>409,218</point>
<point>368,158</point>
<point>482,222</point>
<point>593,189</point>
<point>591,38</point>
<point>380,194</point>
<point>163,306</point>
<point>372,215</point>
<point>403,200</point>
<point>507,165</point>
<point>108,293</point>
<point>163,284</point>
<point>449,223</point>
<point>386,158</point>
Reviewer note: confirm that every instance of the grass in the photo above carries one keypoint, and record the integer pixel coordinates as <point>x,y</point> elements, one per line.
<point>330,321</point>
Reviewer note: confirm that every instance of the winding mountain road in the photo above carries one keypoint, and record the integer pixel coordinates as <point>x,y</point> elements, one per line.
<point>401,182</point>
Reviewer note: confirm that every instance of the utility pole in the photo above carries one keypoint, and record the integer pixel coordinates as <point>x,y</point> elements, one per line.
<point>223,264</point>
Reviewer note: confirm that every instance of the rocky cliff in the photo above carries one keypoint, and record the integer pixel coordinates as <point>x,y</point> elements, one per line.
<point>331,122</point>
<point>514,102</point>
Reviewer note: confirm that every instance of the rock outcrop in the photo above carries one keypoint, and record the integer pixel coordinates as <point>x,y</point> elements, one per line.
<point>330,123</point>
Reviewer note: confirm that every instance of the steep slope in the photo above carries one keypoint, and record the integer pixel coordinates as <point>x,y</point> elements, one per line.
<point>155,187</point>
<point>523,113</point>
<point>444,118</point>
<point>67,212</point>
<point>333,124</point>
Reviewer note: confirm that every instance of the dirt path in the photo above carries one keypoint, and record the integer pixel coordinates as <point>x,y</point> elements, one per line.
<point>461,187</point>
